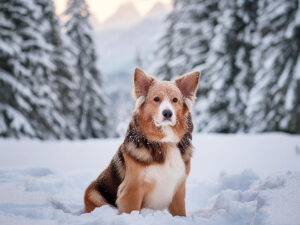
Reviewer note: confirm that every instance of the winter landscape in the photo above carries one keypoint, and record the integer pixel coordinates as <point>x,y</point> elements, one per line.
<point>66,78</point>
<point>235,179</point>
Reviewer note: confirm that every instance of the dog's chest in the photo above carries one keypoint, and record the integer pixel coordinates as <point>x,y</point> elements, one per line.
<point>165,178</point>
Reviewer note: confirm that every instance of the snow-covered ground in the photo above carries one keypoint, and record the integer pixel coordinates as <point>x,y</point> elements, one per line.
<point>235,179</point>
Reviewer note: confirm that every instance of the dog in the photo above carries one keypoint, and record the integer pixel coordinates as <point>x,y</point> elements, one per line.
<point>150,168</point>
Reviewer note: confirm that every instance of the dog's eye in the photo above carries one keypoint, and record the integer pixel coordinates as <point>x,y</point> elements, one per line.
<point>156,99</point>
<point>175,99</point>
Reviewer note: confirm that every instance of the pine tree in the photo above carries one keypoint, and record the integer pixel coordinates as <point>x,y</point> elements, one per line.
<point>200,16</point>
<point>185,43</point>
<point>15,96</point>
<point>275,99</point>
<point>180,62</point>
<point>165,52</point>
<point>216,38</point>
<point>92,116</point>
<point>26,71</point>
<point>229,68</point>
<point>63,82</point>
<point>45,118</point>
<point>203,17</point>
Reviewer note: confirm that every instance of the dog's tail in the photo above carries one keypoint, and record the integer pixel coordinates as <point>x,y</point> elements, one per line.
<point>60,206</point>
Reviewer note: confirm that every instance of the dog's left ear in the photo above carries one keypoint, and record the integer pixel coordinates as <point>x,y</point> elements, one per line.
<point>188,84</point>
<point>142,83</point>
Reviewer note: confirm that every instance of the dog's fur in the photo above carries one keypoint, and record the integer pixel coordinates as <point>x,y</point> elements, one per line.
<point>151,166</point>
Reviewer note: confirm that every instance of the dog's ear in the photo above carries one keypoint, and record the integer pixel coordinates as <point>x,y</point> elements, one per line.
<point>188,84</point>
<point>142,83</point>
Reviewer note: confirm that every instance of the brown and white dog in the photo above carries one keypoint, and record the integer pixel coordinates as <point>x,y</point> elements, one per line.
<point>151,166</point>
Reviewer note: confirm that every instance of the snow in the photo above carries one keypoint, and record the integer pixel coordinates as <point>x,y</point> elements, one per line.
<point>235,179</point>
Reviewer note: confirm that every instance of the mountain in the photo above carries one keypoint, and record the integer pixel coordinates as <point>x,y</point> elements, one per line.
<point>119,42</point>
<point>125,16</point>
<point>159,10</point>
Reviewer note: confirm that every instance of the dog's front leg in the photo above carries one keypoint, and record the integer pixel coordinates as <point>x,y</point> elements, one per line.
<point>131,191</point>
<point>130,197</point>
<point>177,206</point>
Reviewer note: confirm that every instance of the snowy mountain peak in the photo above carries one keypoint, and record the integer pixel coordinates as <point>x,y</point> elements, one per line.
<point>125,16</point>
<point>158,10</point>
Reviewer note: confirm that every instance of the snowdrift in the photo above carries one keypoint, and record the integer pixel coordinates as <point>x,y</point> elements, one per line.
<point>235,179</point>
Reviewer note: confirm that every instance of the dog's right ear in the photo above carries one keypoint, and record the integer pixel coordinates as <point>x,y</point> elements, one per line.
<point>142,83</point>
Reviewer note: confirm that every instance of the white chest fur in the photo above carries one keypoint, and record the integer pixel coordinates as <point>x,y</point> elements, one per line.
<point>166,178</point>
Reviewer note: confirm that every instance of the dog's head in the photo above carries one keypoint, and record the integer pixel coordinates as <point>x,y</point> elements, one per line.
<point>163,107</point>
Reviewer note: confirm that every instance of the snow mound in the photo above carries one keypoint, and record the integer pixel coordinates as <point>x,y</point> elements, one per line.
<point>237,199</point>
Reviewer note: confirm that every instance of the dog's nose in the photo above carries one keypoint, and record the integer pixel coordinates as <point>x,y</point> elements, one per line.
<point>167,113</point>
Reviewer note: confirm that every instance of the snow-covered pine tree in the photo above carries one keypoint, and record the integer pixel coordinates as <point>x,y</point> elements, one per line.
<point>185,43</point>
<point>45,118</point>
<point>214,37</point>
<point>92,115</point>
<point>16,97</point>
<point>180,62</point>
<point>275,99</point>
<point>63,82</point>
<point>28,105</point>
<point>229,68</point>
<point>201,17</point>
<point>164,53</point>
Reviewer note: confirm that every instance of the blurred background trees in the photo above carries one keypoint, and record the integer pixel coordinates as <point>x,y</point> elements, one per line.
<point>51,86</point>
<point>248,52</point>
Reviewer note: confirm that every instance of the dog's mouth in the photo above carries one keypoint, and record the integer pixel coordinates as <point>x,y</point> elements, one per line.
<point>165,122</point>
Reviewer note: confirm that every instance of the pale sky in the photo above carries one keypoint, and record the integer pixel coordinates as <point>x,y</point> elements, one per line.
<point>102,9</point>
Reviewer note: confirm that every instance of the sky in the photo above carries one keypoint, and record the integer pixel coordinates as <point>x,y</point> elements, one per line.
<point>102,9</point>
